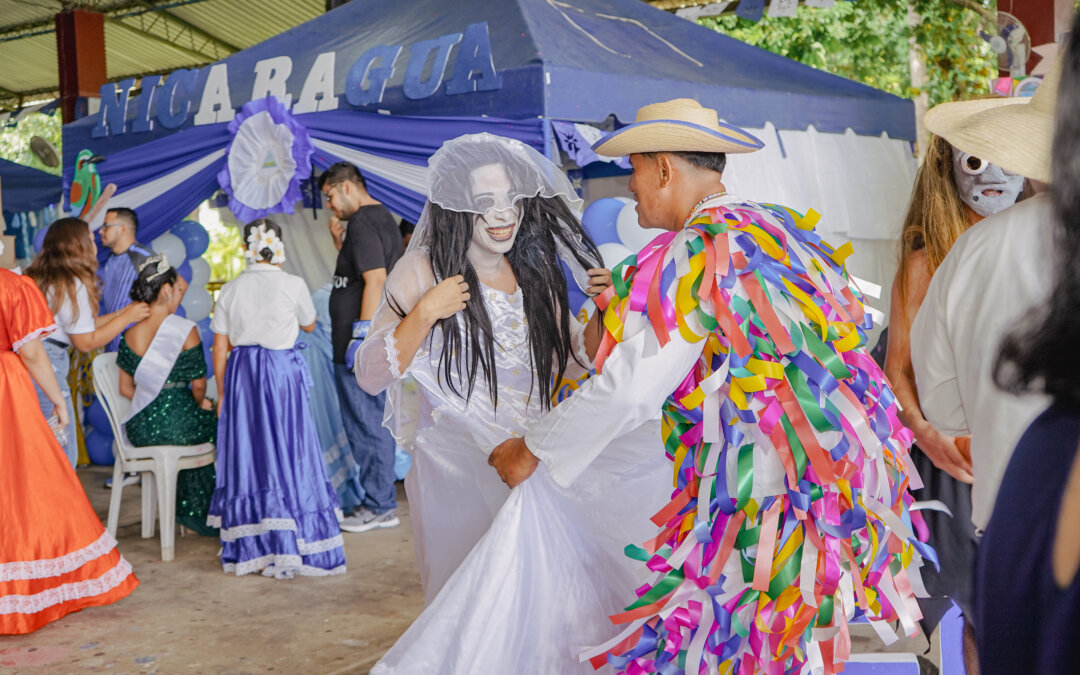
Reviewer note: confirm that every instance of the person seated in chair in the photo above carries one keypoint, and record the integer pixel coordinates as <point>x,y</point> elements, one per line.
<point>163,372</point>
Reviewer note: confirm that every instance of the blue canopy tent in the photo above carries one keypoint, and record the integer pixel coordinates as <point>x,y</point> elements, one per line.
<point>23,188</point>
<point>27,195</point>
<point>407,76</point>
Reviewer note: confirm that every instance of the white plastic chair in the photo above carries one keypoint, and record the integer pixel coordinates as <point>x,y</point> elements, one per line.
<point>163,461</point>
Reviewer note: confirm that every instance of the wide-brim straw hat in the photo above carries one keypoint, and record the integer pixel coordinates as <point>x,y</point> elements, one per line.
<point>679,125</point>
<point>1014,133</point>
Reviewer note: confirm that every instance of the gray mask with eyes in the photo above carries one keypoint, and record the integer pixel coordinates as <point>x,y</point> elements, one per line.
<point>985,187</point>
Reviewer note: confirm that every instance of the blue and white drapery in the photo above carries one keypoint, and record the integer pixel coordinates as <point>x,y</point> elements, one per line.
<point>166,179</point>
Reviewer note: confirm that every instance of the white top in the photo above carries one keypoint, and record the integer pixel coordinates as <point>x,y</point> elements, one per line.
<point>65,323</point>
<point>264,306</point>
<point>995,273</point>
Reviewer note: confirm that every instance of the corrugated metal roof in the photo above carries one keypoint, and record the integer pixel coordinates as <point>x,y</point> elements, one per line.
<point>174,34</point>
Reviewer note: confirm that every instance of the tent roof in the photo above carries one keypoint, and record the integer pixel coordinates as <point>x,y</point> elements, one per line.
<point>580,60</point>
<point>23,188</point>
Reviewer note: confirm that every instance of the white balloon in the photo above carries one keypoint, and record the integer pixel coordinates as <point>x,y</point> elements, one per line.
<point>173,248</point>
<point>197,304</point>
<point>632,235</point>
<point>613,254</point>
<point>200,272</point>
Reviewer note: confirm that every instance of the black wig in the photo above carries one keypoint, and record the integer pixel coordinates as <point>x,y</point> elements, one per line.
<point>468,338</point>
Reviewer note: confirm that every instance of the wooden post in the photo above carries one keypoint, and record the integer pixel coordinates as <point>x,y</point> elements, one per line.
<point>80,58</point>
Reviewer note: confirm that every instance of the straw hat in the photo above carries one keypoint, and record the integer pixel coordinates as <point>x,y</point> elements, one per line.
<point>680,125</point>
<point>1014,133</point>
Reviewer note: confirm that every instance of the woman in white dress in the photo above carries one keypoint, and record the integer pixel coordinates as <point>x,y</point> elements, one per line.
<point>476,313</point>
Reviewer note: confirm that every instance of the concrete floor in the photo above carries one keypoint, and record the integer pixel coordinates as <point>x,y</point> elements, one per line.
<point>189,617</point>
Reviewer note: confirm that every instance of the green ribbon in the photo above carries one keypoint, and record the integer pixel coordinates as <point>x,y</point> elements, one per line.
<point>807,401</point>
<point>832,361</point>
<point>746,475</point>
<point>665,586</point>
<point>798,452</point>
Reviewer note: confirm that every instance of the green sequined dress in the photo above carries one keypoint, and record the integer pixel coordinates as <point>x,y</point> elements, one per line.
<point>174,418</point>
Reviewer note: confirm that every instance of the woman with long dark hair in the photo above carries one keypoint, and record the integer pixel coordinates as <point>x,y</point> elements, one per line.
<point>1027,591</point>
<point>163,372</point>
<point>476,312</point>
<point>66,272</point>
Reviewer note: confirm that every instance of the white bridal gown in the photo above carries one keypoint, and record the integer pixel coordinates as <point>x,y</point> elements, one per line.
<point>515,581</point>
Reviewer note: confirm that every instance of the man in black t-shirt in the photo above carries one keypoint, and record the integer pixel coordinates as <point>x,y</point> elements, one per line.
<point>368,247</point>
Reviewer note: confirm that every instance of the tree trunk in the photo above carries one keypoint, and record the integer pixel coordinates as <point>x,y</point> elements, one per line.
<point>917,64</point>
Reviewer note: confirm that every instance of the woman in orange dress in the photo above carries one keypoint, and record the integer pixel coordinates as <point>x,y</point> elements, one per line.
<point>55,556</point>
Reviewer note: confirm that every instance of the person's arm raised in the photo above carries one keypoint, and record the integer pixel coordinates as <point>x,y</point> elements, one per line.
<point>109,326</point>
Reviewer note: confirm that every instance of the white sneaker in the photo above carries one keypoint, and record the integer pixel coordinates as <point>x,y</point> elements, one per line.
<point>365,519</point>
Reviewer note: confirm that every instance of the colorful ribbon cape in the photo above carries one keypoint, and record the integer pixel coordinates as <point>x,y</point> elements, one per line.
<point>752,573</point>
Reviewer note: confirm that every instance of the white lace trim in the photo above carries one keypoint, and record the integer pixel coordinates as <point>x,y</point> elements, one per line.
<point>253,529</point>
<point>320,546</point>
<point>40,332</point>
<point>280,567</point>
<point>32,604</point>
<point>267,525</point>
<point>392,356</point>
<point>54,567</point>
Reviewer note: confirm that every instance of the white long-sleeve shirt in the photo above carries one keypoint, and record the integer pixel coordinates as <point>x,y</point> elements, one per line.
<point>994,274</point>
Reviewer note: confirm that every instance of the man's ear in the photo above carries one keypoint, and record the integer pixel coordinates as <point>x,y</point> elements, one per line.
<point>665,169</point>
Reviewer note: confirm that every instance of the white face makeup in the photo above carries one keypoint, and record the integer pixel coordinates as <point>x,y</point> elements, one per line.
<point>496,228</point>
<point>986,188</point>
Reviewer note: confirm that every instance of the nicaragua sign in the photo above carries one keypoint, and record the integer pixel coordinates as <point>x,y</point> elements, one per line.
<point>168,101</point>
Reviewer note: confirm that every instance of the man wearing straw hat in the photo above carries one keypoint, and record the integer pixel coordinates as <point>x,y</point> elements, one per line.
<point>994,273</point>
<point>790,512</point>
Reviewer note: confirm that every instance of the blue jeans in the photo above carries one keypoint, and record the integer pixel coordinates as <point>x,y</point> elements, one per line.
<point>60,358</point>
<point>372,444</point>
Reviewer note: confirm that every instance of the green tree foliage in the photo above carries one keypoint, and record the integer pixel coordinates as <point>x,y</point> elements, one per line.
<point>868,41</point>
<point>15,141</point>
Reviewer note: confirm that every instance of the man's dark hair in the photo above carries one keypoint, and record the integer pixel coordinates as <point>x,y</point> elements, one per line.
<point>406,227</point>
<point>128,215</point>
<point>713,161</point>
<point>339,173</point>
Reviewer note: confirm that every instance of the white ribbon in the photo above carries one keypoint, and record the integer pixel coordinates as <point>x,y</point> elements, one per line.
<point>158,361</point>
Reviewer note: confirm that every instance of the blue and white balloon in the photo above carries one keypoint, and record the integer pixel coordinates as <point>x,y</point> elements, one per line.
<point>631,234</point>
<point>172,247</point>
<point>195,237</point>
<point>200,272</point>
<point>197,303</point>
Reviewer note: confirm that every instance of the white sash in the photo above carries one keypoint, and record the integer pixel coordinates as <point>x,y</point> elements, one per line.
<point>158,361</point>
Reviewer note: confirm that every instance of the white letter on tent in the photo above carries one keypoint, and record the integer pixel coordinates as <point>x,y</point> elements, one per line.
<point>270,79</point>
<point>216,105</point>
<point>320,80</point>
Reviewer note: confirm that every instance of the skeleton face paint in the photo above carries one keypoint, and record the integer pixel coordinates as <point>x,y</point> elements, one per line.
<point>985,187</point>
<point>496,228</point>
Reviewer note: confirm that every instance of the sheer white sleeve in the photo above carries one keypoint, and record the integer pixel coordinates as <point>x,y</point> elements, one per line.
<point>377,365</point>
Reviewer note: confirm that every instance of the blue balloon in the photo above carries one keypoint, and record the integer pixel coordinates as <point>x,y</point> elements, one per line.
<point>96,416</point>
<point>39,239</point>
<point>185,271</point>
<point>195,237</point>
<point>180,311</point>
<point>99,447</point>
<point>600,219</point>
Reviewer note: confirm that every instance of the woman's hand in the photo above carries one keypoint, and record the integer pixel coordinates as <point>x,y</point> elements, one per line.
<point>946,452</point>
<point>61,413</point>
<point>599,280</point>
<point>206,404</point>
<point>445,299</point>
<point>135,312</point>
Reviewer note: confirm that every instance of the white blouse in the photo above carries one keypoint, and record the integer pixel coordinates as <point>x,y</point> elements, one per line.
<point>264,306</point>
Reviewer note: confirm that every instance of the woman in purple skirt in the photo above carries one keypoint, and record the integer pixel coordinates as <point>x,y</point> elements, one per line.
<point>277,511</point>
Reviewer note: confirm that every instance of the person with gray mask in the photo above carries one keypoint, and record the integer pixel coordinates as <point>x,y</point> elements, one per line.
<point>992,276</point>
<point>984,187</point>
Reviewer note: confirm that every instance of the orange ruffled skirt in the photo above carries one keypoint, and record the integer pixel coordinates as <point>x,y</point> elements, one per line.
<point>55,555</point>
